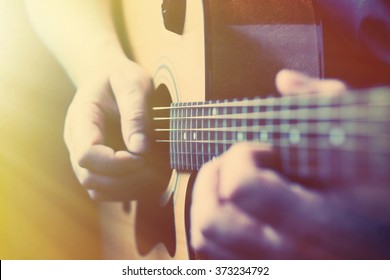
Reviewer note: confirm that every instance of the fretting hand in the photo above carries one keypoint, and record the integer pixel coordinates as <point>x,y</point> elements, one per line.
<point>241,209</point>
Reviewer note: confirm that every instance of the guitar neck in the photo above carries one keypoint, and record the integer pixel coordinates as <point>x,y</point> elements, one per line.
<point>319,136</point>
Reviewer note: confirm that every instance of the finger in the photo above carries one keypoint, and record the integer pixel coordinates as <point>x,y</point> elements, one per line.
<point>135,180</point>
<point>212,233</point>
<point>258,190</point>
<point>131,87</point>
<point>204,201</point>
<point>105,161</point>
<point>250,157</point>
<point>290,82</point>
<point>84,136</point>
<point>217,223</point>
<point>270,198</point>
<point>100,196</point>
<point>237,232</point>
<point>84,127</point>
<point>210,249</point>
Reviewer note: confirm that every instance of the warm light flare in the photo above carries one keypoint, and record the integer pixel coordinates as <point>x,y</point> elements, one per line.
<point>44,213</point>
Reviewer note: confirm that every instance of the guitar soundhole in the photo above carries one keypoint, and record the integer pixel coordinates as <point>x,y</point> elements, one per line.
<point>155,222</point>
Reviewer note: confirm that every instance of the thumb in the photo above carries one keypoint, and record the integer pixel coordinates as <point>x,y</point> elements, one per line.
<point>131,87</point>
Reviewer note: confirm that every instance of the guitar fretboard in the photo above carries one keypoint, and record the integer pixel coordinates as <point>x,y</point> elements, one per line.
<point>319,136</point>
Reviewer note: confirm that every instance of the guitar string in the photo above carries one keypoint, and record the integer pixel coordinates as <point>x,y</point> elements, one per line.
<point>350,129</point>
<point>300,106</point>
<point>327,100</point>
<point>339,139</point>
<point>322,129</point>
<point>197,159</point>
<point>343,113</point>
<point>316,146</point>
<point>307,115</point>
<point>193,163</point>
<point>313,150</point>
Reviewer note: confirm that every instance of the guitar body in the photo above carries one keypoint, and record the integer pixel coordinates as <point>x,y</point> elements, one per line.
<point>225,49</point>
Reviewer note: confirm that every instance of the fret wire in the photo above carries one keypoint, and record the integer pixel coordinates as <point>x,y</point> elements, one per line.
<point>302,152</point>
<point>224,132</point>
<point>269,122</point>
<point>285,152</point>
<point>209,134</point>
<point>177,136</point>
<point>189,136</point>
<point>341,159</point>
<point>172,135</point>
<point>373,141</point>
<point>350,159</point>
<point>196,145</point>
<point>245,121</point>
<point>191,163</point>
<point>181,136</point>
<point>184,137</point>
<point>216,132</point>
<point>191,133</point>
<point>234,112</point>
<point>189,126</point>
<point>323,157</point>
<point>171,131</point>
<point>203,156</point>
<point>255,123</point>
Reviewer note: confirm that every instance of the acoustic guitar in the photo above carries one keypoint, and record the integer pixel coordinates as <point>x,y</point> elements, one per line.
<point>213,64</point>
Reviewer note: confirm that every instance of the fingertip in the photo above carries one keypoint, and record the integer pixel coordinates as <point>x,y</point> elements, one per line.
<point>333,86</point>
<point>289,81</point>
<point>83,159</point>
<point>104,160</point>
<point>258,153</point>
<point>138,143</point>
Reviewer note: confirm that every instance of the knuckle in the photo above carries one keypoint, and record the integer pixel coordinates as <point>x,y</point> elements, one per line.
<point>130,79</point>
<point>136,115</point>
<point>204,227</point>
<point>271,178</point>
<point>205,170</point>
<point>241,150</point>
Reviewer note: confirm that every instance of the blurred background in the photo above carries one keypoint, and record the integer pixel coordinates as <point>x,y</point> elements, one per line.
<point>44,213</point>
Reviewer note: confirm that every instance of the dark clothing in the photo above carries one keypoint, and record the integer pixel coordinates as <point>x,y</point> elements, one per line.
<point>356,38</point>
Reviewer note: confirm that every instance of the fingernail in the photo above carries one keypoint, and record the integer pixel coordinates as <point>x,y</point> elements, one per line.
<point>138,143</point>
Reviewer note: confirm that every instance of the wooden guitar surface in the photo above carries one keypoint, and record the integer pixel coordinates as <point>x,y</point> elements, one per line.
<point>227,49</point>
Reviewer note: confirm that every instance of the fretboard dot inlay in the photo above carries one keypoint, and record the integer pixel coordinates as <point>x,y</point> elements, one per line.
<point>264,136</point>
<point>314,136</point>
<point>295,136</point>
<point>337,136</point>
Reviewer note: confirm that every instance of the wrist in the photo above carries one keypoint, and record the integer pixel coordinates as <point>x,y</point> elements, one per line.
<point>99,64</point>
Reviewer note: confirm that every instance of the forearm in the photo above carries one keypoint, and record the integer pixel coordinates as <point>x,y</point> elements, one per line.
<point>80,34</point>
